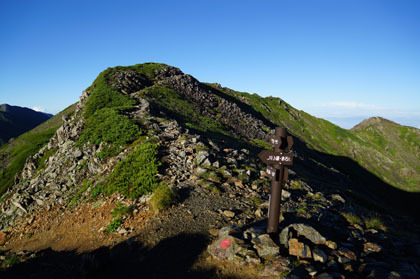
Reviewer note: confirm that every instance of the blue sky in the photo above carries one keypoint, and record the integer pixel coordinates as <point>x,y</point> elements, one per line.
<point>340,60</point>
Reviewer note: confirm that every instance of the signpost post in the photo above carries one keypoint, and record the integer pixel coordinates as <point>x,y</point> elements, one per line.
<point>277,160</point>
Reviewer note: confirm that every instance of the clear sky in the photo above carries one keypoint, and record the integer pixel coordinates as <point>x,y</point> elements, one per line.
<point>343,60</point>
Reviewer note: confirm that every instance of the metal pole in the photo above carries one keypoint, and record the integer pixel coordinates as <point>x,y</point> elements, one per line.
<point>276,187</point>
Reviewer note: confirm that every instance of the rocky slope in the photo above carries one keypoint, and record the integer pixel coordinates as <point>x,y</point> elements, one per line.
<point>154,165</point>
<point>16,120</point>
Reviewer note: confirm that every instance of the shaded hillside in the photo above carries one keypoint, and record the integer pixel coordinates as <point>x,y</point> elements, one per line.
<point>386,149</point>
<point>13,155</point>
<point>16,120</point>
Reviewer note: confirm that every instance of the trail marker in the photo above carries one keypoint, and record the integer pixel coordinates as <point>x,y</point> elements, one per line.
<point>276,170</point>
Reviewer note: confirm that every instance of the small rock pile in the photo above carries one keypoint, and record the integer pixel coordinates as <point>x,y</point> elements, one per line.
<point>301,252</point>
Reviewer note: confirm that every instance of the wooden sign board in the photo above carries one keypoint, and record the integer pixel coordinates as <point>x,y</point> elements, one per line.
<point>275,141</point>
<point>271,172</point>
<point>272,157</point>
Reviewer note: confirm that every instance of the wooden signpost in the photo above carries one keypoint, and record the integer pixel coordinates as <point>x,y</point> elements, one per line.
<point>276,170</point>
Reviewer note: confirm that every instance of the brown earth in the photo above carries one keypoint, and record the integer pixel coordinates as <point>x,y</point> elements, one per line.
<point>175,239</point>
<point>82,229</point>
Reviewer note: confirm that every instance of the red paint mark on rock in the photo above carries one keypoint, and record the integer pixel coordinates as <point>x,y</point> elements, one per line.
<point>3,238</point>
<point>225,243</point>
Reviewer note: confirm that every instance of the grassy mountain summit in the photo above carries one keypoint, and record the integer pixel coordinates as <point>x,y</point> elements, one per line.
<point>387,150</point>
<point>393,152</point>
<point>157,161</point>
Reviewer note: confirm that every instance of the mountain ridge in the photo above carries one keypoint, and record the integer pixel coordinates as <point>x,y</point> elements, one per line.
<point>149,138</point>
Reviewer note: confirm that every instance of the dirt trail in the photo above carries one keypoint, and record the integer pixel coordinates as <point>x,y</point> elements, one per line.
<point>82,229</point>
<point>77,244</point>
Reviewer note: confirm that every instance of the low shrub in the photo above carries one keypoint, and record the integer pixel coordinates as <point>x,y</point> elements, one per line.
<point>352,218</point>
<point>110,126</point>
<point>114,225</point>
<point>163,197</point>
<point>136,174</point>
<point>374,223</point>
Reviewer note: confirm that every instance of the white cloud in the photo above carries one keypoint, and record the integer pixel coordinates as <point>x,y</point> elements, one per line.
<point>38,108</point>
<point>345,109</point>
<point>349,105</point>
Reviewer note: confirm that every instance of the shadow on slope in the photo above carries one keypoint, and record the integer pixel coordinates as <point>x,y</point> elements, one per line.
<point>170,258</point>
<point>355,180</point>
<point>313,166</point>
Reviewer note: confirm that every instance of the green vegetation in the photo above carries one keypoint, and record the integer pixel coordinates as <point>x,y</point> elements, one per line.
<point>262,144</point>
<point>211,176</point>
<point>352,218</point>
<point>213,188</point>
<point>97,190</point>
<point>302,210</point>
<point>374,223</point>
<point>31,143</point>
<point>295,185</point>
<point>136,174</point>
<point>110,126</point>
<point>114,225</point>
<point>105,121</point>
<point>256,201</point>
<point>119,213</point>
<point>163,197</point>
<point>11,259</point>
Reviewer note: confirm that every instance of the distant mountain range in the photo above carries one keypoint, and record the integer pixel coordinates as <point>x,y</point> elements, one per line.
<point>16,120</point>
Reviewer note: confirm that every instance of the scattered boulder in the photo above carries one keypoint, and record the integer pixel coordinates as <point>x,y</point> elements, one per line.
<point>331,244</point>
<point>299,249</point>
<point>277,266</point>
<point>229,213</point>
<point>370,247</point>
<point>77,153</point>
<point>228,247</point>
<point>347,253</point>
<point>302,230</point>
<point>337,197</point>
<point>265,246</point>
<point>319,255</point>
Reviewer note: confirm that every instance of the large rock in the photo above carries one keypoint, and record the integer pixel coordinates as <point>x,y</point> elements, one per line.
<point>265,246</point>
<point>277,266</point>
<point>370,247</point>
<point>233,249</point>
<point>347,253</point>
<point>201,157</point>
<point>302,230</point>
<point>299,249</point>
<point>319,256</point>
